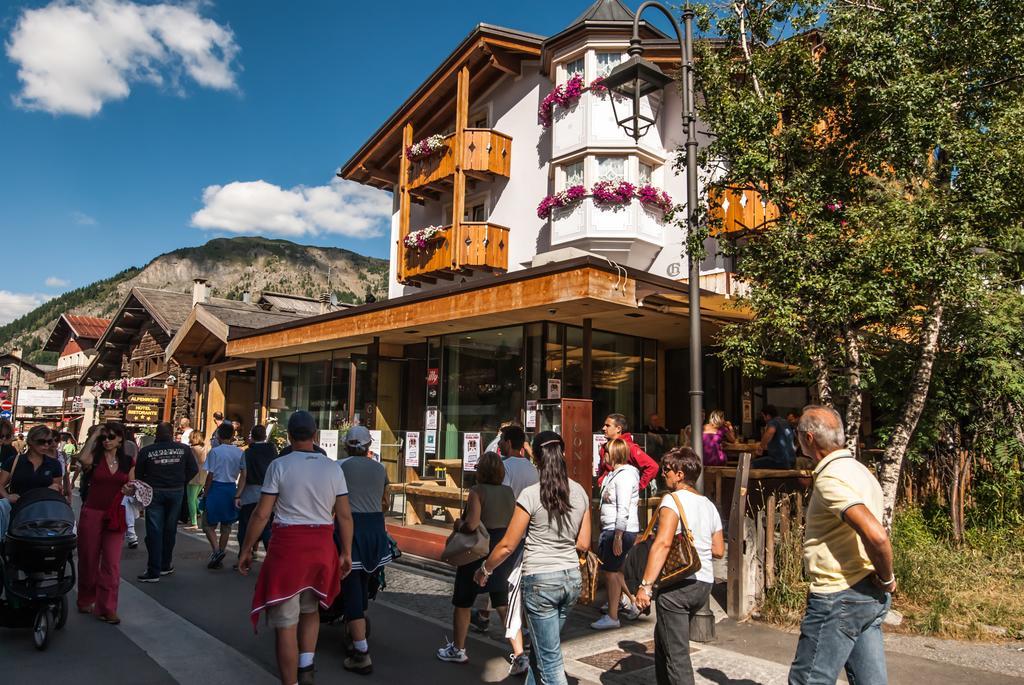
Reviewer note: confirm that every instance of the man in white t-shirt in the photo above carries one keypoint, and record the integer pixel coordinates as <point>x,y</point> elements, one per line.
<point>307,493</point>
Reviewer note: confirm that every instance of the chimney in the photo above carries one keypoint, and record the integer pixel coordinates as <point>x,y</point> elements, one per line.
<point>199,291</point>
<point>18,352</point>
<point>247,297</point>
<point>325,301</point>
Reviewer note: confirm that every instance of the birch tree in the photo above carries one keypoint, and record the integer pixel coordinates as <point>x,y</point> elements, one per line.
<point>888,135</point>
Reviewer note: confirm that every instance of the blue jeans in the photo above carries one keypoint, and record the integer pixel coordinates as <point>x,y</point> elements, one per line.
<point>547,598</point>
<point>162,528</point>
<point>842,628</point>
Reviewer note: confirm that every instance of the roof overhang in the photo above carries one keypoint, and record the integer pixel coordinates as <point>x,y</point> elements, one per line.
<point>132,315</point>
<point>490,52</point>
<point>200,340</point>
<point>614,299</point>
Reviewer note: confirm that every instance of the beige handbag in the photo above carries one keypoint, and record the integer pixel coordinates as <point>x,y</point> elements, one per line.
<point>465,548</point>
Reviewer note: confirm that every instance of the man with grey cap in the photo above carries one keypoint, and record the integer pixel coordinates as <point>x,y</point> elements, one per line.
<point>367,482</point>
<point>307,494</point>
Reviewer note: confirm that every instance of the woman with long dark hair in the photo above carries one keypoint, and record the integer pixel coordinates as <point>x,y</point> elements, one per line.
<point>554,517</point>
<point>102,524</point>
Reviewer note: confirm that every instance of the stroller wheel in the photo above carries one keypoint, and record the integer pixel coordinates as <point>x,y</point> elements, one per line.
<point>61,613</point>
<point>41,628</point>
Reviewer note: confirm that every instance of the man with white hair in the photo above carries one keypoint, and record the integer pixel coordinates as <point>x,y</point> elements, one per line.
<point>848,558</point>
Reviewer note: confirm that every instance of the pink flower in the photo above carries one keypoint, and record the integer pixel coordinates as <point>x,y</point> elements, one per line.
<point>613,192</point>
<point>561,199</point>
<point>654,197</point>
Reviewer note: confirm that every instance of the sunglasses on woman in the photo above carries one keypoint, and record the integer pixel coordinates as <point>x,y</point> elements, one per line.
<point>48,441</point>
<point>110,437</point>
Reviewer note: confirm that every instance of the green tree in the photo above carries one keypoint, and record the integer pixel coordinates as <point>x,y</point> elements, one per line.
<point>889,134</point>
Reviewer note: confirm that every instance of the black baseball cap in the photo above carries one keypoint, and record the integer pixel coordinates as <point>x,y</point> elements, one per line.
<point>545,437</point>
<point>302,425</point>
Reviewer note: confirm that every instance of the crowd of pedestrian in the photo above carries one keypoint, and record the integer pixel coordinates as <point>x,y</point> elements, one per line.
<point>322,527</point>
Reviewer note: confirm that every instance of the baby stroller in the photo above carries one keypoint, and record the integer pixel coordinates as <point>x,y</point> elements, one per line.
<point>36,564</point>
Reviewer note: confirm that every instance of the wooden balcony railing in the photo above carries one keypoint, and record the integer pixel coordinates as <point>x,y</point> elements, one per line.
<point>485,152</point>
<point>481,245</point>
<point>739,211</point>
<point>64,374</point>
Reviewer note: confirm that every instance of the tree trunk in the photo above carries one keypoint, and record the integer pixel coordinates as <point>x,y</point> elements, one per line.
<point>823,384</point>
<point>855,395</point>
<point>913,406</point>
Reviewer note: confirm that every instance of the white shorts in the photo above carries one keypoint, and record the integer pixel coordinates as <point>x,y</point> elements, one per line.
<point>287,612</point>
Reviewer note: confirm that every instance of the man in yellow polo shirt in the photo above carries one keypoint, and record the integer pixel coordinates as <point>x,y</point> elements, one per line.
<point>848,558</point>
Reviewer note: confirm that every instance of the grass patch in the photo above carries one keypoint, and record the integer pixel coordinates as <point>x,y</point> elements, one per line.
<point>944,590</point>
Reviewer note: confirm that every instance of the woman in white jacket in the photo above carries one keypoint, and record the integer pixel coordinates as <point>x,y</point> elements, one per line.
<point>620,524</point>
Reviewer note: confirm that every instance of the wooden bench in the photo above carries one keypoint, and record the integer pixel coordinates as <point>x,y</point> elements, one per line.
<point>419,495</point>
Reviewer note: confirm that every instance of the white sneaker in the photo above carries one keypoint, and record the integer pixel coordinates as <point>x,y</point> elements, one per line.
<point>452,654</point>
<point>518,664</point>
<point>630,612</point>
<point>623,604</point>
<point>605,623</point>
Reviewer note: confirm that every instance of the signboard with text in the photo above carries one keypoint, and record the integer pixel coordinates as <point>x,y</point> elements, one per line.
<point>142,413</point>
<point>41,398</point>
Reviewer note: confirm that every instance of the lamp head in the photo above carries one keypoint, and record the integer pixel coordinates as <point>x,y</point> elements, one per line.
<point>628,83</point>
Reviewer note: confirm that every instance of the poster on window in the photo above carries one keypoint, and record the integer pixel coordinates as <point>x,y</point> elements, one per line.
<point>375,440</point>
<point>531,414</point>
<point>412,449</point>
<point>599,441</point>
<point>554,388</point>
<point>470,451</point>
<point>329,441</point>
<point>748,411</point>
<point>431,419</point>
<point>430,442</point>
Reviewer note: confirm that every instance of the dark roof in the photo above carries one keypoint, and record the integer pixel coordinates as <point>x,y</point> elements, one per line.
<point>605,10</point>
<point>7,359</point>
<point>244,315</point>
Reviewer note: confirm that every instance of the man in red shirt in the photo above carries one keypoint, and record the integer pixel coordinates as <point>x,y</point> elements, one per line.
<point>615,426</point>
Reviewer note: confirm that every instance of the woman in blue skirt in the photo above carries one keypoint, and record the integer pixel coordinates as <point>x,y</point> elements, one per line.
<point>224,464</point>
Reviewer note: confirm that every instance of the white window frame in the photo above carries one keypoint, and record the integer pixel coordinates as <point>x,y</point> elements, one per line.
<point>564,173</point>
<point>625,167</point>
<point>602,71</point>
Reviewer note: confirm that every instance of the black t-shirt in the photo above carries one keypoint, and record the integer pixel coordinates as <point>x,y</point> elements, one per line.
<point>26,477</point>
<point>7,451</point>
<point>166,465</point>
<point>257,460</point>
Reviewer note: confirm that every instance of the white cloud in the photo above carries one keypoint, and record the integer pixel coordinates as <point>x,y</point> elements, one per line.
<point>341,207</point>
<point>54,282</point>
<point>13,305</point>
<point>75,55</point>
<point>83,219</point>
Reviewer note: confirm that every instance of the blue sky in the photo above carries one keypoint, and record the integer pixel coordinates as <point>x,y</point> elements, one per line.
<point>124,124</point>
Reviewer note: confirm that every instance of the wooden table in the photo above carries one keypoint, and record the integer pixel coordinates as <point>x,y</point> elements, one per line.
<point>452,470</point>
<point>740,447</point>
<point>419,495</point>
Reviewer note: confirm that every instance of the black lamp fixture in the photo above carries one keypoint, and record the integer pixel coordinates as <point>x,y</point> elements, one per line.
<point>628,84</point>
<point>632,80</point>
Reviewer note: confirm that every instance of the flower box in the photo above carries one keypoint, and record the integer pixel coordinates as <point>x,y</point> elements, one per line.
<point>422,238</point>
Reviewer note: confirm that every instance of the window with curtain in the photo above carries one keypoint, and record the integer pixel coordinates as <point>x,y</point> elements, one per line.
<point>606,61</point>
<point>573,67</point>
<point>611,168</point>
<point>646,173</point>
<point>573,174</point>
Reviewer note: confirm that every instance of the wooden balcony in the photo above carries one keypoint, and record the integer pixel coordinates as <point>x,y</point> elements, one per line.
<point>64,375</point>
<point>481,246</point>
<point>735,212</point>
<point>486,154</point>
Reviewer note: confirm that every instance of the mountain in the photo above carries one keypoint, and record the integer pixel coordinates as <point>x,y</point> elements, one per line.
<point>232,265</point>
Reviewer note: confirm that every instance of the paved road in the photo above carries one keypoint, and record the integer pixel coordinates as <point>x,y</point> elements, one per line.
<point>193,628</point>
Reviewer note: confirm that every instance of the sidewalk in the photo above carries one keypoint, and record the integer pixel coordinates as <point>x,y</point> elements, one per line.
<point>742,654</point>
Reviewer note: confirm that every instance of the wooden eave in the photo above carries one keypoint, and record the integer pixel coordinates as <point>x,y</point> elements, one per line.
<point>491,52</point>
<point>568,292</point>
<point>200,340</point>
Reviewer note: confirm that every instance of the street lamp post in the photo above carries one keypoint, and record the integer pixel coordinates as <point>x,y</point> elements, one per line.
<point>96,391</point>
<point>632,80</point>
